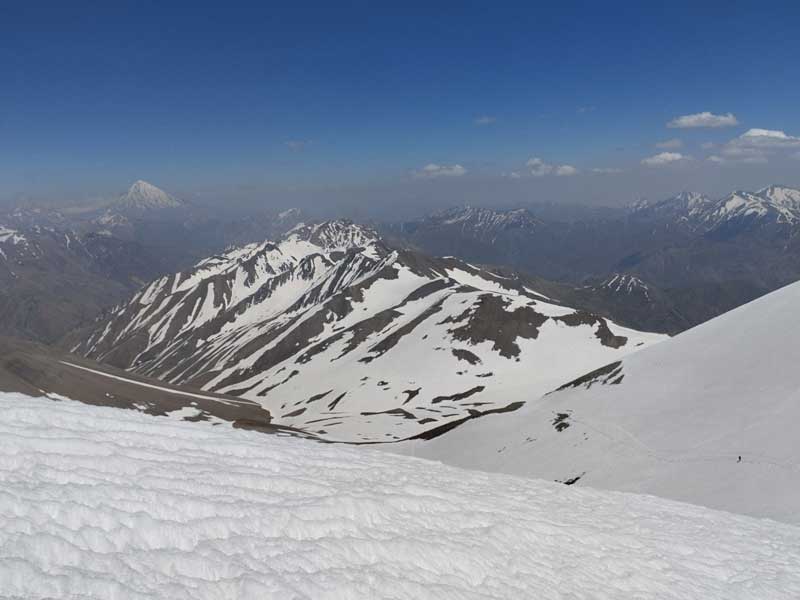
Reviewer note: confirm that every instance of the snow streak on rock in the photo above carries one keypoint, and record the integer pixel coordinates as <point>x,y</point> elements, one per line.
<point>625,283</point>
<point>101,503</point>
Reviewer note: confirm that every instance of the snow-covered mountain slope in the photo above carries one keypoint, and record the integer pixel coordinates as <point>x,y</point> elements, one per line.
<point>25,216</point>
<point>337,334</point>
<point>13,246</point>
<point>143,196</point>
<point>685,206</point>
<point>16,246</point>
<point>110,220</point>
<point>11,236</point>
<point>485,223</point>
<point>468,232</point>
<point>36,246</point>
<point>774,205</point>
<point>670,420</point>
<point>100,503</point>
<point>782,195</point>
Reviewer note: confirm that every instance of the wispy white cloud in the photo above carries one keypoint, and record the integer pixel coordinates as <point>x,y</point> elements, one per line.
<point>708,145</point>
<point>738,160</point>
<point>672,144</point>
<point>703,119</point>
<point>565,171</point>
<point>769,138</point>
<point>432,171</point>
<point>485,120</point>
<point>585,109</point>
<point>664,158</point>
<point>539,168</point>
<point>607,171</point>
<point>755,146</point>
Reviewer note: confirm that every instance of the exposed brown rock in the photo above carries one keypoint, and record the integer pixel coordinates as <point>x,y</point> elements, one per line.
<point>491,321</point>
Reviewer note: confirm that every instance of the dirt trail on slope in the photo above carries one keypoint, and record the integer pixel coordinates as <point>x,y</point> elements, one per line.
<point>38,370</point>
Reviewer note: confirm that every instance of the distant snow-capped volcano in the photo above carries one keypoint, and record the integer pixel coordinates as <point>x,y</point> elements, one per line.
<point>146,196</point>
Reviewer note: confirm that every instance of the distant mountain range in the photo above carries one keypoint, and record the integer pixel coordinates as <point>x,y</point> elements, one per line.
<point>60,268</point>
<point>687,258</point>
<point>180,232</point>
<point>698,256</point>
<point>339,335</point>
<point>773,205</point>
<point>51,279</point>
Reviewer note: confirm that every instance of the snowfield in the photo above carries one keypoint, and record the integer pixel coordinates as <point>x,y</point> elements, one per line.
<point>670,420</point>
<point>106,503</point>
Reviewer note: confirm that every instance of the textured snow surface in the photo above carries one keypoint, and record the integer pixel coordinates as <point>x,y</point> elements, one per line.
<point>103,503</point>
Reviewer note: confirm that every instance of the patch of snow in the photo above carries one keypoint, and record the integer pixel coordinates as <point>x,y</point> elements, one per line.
<point>11,236</point>
<point>478,282</point>
<point>184,412</point>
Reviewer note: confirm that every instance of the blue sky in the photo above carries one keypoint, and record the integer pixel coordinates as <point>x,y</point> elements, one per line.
<point>263,96</point>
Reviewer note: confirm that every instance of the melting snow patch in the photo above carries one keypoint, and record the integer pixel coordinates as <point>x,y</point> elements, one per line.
<point>185,412</point>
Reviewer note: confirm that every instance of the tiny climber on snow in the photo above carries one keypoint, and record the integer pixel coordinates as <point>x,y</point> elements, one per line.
<point>740,460</point>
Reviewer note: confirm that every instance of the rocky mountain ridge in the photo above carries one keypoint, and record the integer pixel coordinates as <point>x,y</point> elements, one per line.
<point>344,337</point>
<point>706,256</point>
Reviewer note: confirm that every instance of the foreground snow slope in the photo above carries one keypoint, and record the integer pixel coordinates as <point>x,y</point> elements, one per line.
<point>105,503</point>
<point>670,420</point>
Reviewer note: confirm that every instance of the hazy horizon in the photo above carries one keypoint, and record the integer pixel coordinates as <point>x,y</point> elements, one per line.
<point>409,199</point>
